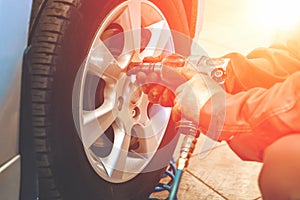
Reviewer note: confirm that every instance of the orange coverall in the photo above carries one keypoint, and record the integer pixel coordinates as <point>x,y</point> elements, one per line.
<point>263,103</point>
<point>262,120</point>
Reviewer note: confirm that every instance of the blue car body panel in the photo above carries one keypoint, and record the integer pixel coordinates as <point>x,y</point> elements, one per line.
<point>14,23</point>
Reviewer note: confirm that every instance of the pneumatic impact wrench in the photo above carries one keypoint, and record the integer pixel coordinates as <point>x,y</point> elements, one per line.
<point>171,79</point>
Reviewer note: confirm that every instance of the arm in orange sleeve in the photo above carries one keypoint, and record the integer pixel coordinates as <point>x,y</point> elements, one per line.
<point>262,100</point>
<point>264,66</point>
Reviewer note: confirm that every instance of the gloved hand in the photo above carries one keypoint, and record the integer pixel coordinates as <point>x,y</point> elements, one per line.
<point>187,99</point>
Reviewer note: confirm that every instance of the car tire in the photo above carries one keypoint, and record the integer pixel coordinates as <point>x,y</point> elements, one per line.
<point>59,44</point>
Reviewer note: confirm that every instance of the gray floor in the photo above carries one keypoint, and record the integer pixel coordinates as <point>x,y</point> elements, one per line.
<point>217,174</point>
<point>228,26</point>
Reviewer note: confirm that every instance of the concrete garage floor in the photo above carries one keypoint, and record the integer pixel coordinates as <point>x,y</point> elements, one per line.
<point>228,26</point>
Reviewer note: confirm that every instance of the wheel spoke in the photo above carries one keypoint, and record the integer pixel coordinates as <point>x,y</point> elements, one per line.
<point>115,163</point>
<point>130,21</point>
<point>96,122</point>
<point>148,140</point>
<point>159,117</point>
<point>101,62</point>
<point>150,132</point>
<point>153,131</point>
<point>160,37</point>
<point>135,17</point>
<point>142,104</point>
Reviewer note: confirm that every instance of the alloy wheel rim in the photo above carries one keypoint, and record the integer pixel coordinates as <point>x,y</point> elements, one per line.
<point>119,128</point>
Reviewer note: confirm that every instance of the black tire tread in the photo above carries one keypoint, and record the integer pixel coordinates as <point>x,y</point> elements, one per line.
<point>46,41</point>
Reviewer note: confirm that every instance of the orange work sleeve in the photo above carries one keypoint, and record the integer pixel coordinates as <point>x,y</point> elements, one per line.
<point>262,102</point>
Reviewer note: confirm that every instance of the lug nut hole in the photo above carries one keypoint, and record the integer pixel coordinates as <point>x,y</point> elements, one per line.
<point>135,112</point>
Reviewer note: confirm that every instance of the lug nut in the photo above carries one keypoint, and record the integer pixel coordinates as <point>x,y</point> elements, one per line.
<point>120,103</point>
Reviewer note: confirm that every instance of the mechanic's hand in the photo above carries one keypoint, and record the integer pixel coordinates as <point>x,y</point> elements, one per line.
<point>191,94</point>
<point>191,97</point>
